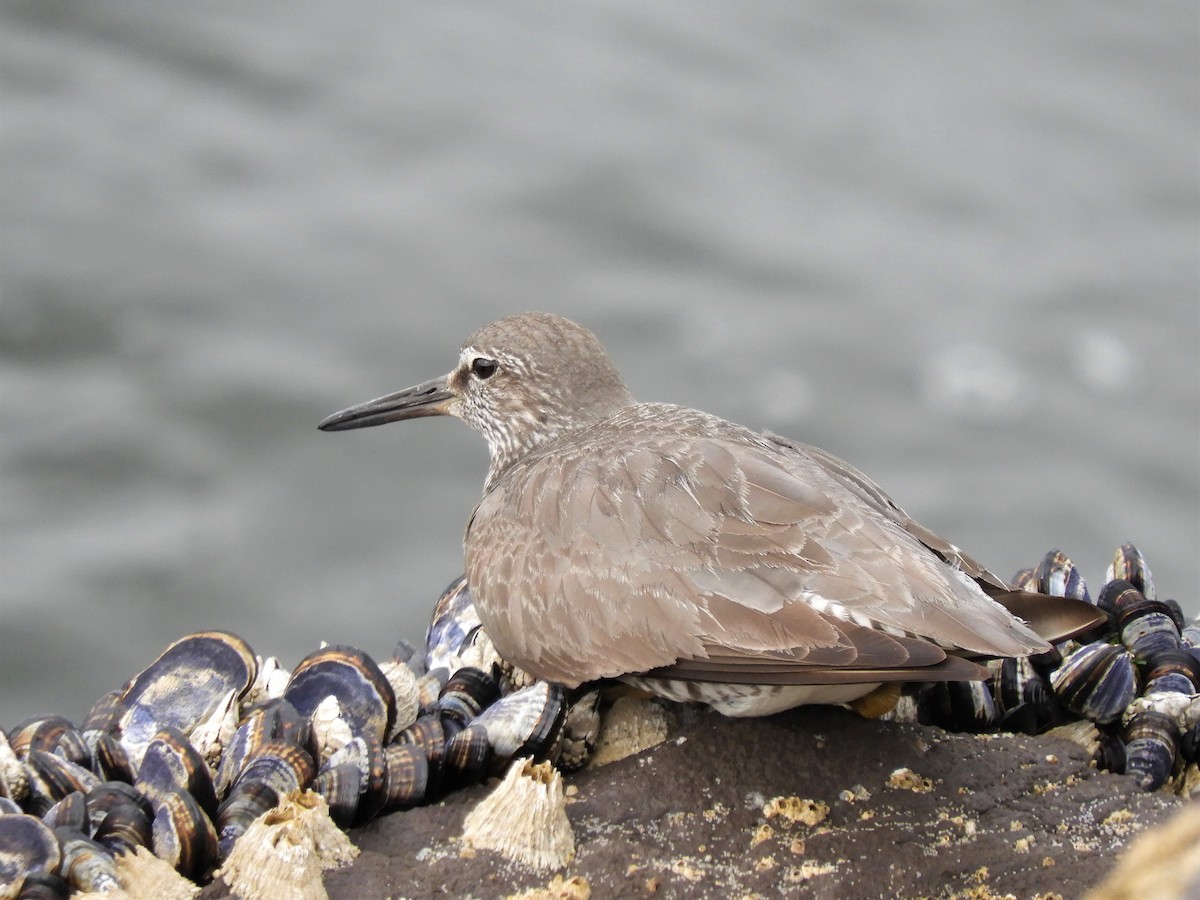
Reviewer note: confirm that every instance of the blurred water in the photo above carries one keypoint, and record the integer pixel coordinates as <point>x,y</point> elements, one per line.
<point>956,244</point>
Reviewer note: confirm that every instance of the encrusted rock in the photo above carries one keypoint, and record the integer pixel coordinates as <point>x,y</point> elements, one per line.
<point>1163,863</point>
<point>796,810</point>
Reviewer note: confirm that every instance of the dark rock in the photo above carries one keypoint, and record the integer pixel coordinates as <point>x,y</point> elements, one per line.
<point>999,813</point>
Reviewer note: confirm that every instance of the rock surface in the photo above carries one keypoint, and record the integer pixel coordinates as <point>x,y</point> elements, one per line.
<point>911,811</point>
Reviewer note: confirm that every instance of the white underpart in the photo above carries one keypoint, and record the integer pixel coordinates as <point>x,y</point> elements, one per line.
<point>741,700</point>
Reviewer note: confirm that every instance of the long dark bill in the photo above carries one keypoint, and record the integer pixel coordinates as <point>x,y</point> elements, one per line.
<point>429,399</point>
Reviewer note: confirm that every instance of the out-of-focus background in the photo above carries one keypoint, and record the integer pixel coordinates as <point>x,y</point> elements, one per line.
<point>956,244</point>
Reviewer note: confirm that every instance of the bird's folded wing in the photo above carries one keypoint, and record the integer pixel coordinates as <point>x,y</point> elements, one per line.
<point>1052,618</point>
<point>872,494</point>
<point>755,671</point>
<point>662,551</point>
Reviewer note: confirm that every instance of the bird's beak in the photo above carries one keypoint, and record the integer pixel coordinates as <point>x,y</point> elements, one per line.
<point>429,399</point>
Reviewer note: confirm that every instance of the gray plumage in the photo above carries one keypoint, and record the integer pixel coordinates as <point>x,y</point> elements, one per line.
<point>705,560</point>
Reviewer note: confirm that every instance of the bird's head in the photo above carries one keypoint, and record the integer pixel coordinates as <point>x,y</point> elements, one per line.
<point>520,382</point>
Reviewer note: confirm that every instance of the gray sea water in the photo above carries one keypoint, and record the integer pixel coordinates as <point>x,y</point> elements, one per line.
<point>956,244</point>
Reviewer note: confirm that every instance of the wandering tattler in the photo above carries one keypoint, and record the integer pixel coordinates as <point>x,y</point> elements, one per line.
<point>691,556</point>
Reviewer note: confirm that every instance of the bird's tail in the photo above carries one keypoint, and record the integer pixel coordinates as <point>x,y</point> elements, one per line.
<point>1053,619</point>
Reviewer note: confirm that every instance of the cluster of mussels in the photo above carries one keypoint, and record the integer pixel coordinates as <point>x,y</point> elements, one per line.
<point>209,737</point>
<point>1128,692</point>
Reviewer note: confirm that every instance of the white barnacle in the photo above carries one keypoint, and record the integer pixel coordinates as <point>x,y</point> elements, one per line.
<point>407,693</point>
<point>213,735</point>
<point>12,772</point>
<point>331,732</point>
<point>1183,709</point>
<point>283,853</point>
<point>524,818</point>
<point>143,876</point>
<point>270,683</point>
<point>632,725</point>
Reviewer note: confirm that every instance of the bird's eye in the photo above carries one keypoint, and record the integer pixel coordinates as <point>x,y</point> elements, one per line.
<point>483,368</point>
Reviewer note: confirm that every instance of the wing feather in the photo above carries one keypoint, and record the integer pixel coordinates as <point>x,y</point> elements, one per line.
<point>723,553</point>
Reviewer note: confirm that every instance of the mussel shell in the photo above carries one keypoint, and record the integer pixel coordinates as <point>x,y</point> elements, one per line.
<point>185,685</point>
<point>407,776</point>
<point>1097,681</point>
<point>44,886</point>
<point>72,746</point>
<point>104,713</point>
<point>526,722</point>
<point>428,735</point>
<point>466,756</point>
<point>1151,744</point>
<point>1111,755</point>
<point>958,706</point>
<point>1189,635</point>
<point>367,755</point>
<point>38,733</point>
<point>1046,662</point>
<point>278,768</point>
<point>182,835</point>
<point>404,652</point>
<point>1177,614</point>
<point>466,693</point>
<point>1146,625</point>
<point>275,720</point>
<point>972,706</point>
<point>244,804</point>
<point>1172,670</point>
<point>429,690</point>
<point>453,619</point>
<point>341,786</point>
<point>1129,565</point>
<point>1021,719</point>
<point>69,812</point>
<point>365,697</point>
<point>375,793</point>
<point>1189,744</point>
<point>124,828</point>
<point>1057,576</point>
<point>1024,580</point>
<point>280,765</point>
<point>171,763</point>
<point>1016,682</point>
<point>106,797</point>
<point>27,846</point>
<point>284,721</point>
<point>40,794</point>
<point>87,865</point>
<point>111,761</point>
<point>61,776</point>
<point>250,734</point>
<point>9,806</point>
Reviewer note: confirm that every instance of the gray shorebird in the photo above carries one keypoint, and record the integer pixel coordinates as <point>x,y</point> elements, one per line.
<point>694,557</point>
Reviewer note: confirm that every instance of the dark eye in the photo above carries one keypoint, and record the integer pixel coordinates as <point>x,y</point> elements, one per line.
<point>483,368</point>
